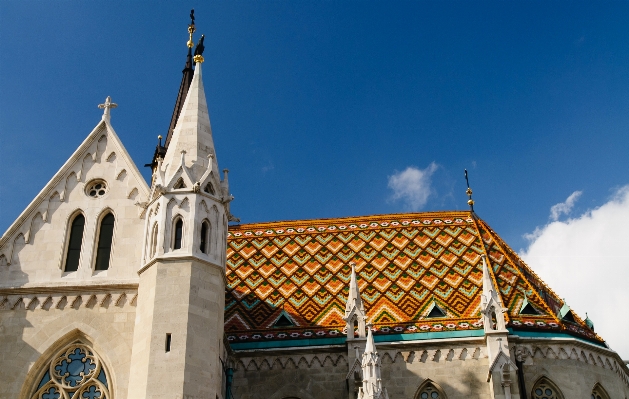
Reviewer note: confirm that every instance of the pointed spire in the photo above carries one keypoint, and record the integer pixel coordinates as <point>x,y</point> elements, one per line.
<point>371,368</point>
<point>491,308</point>
<point>370,347</point>
<point>193,134</point>
<point>354,309</point>
<point>184,86</point>
<point>488,286</point>
<point>353,299</point>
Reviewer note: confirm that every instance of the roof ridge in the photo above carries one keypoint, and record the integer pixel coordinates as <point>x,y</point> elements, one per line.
<point>511,253</point>
<point>385,216</point>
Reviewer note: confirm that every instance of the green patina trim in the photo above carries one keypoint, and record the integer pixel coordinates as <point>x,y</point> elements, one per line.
<point>287,343</point>
<point>428,335</point>
<point>547,334</point>
<point>402,337</point>
<point>342,340</point>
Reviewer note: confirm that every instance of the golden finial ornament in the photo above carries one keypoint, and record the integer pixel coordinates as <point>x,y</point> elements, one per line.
<point>198,51</point>
<point>470,201</point>
<point>191,29</point>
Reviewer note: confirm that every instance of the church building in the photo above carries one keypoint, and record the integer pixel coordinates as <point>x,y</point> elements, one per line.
<point>114,288</point>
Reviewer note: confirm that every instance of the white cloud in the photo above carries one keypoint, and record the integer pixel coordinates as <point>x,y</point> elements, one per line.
<point>412,185</point>
<point>585,260</point>
<point>564,207</point>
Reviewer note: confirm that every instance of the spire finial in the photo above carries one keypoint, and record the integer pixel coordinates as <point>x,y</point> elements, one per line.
<point>470,201</point>
<point>198,51</point>
<point>107,106</point>
<point>191,29</point>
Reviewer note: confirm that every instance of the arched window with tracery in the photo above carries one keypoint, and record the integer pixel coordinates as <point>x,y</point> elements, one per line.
<point>75,241</point>
<point>545,389</point>
<point>105,238</point>
<point>599,392</point>
<point>430,390</point>
<point>74,372</point>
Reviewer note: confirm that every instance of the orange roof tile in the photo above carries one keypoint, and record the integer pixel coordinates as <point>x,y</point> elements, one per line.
<point>405,263</point>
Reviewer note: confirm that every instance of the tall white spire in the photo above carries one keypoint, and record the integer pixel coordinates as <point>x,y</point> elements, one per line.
<point>192,134</point>
<point>372,382</point>
<point>354,309</point>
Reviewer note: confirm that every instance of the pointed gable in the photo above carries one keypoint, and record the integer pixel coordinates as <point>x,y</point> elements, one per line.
<point>34,245</point>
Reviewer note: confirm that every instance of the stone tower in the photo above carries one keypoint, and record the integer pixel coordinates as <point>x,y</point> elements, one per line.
<point>178,337</point>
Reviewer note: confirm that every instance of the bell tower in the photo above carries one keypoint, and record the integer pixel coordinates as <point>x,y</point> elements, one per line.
<point>178,337</point>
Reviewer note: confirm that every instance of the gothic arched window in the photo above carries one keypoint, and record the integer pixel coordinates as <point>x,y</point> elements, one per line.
<point>205,237</point>
<point>153,240</point>
<point>545,389</point>
<point>430,390</point>
<point>178,233</point>
<point>75,239</point>
<point>74,372</point>
<point>105,237</point>
<point>599,393</point>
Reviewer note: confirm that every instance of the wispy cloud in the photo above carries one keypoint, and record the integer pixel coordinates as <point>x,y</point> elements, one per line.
<point>564,207</point>
<point>412,186</point>
<point>585,260</point>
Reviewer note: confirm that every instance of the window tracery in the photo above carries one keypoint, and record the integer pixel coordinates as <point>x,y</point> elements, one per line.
<point>96,188</point>
<point>429,390</point>
<point>74,372</point>
<point>599,393</point>
<point>544,389</point>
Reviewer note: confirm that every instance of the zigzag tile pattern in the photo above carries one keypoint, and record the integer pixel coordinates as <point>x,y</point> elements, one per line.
<point>404,264</point>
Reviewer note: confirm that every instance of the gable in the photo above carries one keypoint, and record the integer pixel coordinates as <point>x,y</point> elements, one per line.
<point>98,178</point>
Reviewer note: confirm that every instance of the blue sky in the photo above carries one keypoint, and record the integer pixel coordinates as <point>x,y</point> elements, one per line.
<point>334,109</point>
<point>315,105</point>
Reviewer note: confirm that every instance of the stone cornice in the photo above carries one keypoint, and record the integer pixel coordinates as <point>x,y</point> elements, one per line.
<point>69,288</point>
<point>179,258</point>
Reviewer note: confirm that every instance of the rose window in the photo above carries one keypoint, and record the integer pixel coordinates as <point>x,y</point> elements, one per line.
<point>96,189</point>
<point>429,393</point>
<point>75,372</point>
<point>544,390</point>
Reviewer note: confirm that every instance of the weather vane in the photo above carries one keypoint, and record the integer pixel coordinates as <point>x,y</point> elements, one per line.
<point>191,29</point>
<point>470,201</point>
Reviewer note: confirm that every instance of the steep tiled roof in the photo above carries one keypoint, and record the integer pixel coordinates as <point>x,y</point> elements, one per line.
<point>406,264</point>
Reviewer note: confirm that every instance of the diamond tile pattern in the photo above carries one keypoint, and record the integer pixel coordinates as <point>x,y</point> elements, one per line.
<point>404,264</point>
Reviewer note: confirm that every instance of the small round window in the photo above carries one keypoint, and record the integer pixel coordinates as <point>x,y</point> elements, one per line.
<point>96,189</point>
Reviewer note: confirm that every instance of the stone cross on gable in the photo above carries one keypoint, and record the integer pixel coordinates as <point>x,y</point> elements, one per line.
<point>107,106</point>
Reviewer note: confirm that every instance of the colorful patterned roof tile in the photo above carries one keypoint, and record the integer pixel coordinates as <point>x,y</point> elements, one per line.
<point>406,265</point>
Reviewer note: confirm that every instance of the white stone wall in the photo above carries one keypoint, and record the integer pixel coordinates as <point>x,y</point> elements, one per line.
<point>31,330</point>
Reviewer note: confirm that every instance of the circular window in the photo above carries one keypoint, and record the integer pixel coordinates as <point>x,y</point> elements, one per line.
<point>96,188</point>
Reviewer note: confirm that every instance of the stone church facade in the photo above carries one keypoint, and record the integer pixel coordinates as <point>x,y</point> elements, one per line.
<point>114,288</point>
